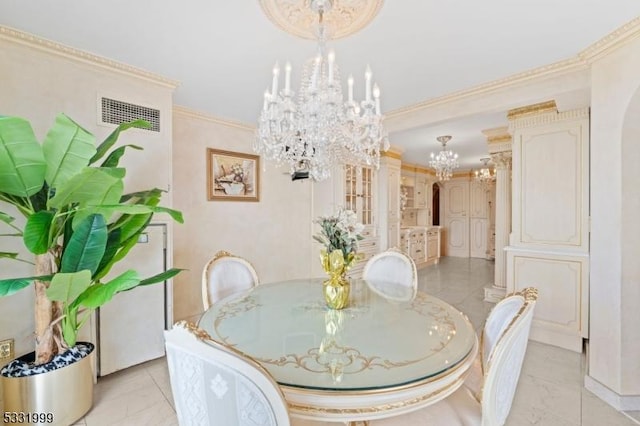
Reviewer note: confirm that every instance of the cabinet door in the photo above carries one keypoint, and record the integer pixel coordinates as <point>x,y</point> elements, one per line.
<point>456,220</point>
<point>420,192</point>
<point>359,190</point>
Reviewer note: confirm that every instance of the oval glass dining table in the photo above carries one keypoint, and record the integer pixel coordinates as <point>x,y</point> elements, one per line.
<point>391,351</point>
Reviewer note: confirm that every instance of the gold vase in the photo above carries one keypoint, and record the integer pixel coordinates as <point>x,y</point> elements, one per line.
<point>336,291</point>
<point>336,287</point>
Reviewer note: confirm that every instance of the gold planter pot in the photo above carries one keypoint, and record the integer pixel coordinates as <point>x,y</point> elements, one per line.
<point>65,394</point>
<point>336,291</point>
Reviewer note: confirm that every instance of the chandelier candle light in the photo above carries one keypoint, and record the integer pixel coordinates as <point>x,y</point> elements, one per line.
<point>445,161</point>
<point>316,129</point>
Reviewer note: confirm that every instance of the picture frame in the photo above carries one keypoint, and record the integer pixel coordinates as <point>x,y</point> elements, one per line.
<point>232,176</point>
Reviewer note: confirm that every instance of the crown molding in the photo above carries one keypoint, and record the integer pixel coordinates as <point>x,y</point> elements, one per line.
<point>192,113</point>
<point>416,168</point>
<point>498,139</point>
<point>555,69</point>
<point>540,108</point>
<point>612,41</point>
<point>391,154</point>
<point>497,134</point>
<point>59,49</point>
<point>547,117</point>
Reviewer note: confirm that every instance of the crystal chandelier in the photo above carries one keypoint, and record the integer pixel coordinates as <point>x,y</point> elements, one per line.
<point>445,161</point>
<point>316,129</point>
<point>485,175</point>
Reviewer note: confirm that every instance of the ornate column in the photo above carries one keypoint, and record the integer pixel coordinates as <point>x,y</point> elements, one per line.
<point>499,143</point>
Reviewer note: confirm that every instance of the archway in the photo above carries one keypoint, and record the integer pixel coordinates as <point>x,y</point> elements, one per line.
<point>435,204</point>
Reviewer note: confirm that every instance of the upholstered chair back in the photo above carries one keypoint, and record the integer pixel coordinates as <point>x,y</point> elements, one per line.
<point>213,385</point>
<point>224,275</point>
<point>392,266</point>
<point>505,342</point>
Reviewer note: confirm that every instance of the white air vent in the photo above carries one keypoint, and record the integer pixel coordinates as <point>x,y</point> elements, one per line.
<point>116,112</point>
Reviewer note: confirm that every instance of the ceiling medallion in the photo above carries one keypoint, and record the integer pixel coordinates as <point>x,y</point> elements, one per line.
<point>342,18</point>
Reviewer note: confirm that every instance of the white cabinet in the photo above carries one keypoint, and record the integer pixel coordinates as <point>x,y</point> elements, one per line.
<point>422,244</point>
<point>433,245</point>
<point>550,229</point>
<point>360,196</point>
<point>420,192</point>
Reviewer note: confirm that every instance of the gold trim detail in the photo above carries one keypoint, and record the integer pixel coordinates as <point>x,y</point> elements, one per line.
<point>415,168</point>
<point>326,357</point>
<point>375,408</point>
<point>497,135</point>
<point>69,52</point>
<point>540,108</point>
<point>193,329</point>
<point>391,154</point>
<point>342,18</point>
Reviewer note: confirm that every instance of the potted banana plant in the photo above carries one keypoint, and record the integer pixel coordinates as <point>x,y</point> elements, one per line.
<point>79,223</point>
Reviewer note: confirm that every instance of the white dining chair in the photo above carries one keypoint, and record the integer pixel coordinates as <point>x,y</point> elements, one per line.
<point>504,343</point>
<point>392,266</point>
<point>214,385</point>
<point>224,275</point>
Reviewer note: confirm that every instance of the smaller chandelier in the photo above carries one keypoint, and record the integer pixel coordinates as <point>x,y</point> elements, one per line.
<point>485,175</point>
<point>445,161</point>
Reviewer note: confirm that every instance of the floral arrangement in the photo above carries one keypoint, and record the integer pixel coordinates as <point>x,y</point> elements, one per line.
<point>339,235</point>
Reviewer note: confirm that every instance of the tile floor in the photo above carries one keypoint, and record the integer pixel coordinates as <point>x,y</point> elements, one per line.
<point>550,391</point>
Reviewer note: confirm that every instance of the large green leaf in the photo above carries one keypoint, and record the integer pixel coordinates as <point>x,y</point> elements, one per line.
<point>13,285</point>
<point>143,197</point>
<point>114,158</point>
<point>67,149</point>
<point>86,245</point>
<point>66,287</point>
<point>163,276</point>
<point>113,244</point>
<point>113,137</point>
<point>6,218</point>
<point>36,232</point>
<point>22,164</point>
<point>139,209</point>
<point>91,186</point>
<point>99,294</point>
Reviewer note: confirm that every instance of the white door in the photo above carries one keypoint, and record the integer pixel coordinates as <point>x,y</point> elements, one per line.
<point>479,219</point>
<point>130,327</point>
<point>456,218</point>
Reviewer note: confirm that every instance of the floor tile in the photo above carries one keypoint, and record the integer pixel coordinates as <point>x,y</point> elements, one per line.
<point>596,412</point>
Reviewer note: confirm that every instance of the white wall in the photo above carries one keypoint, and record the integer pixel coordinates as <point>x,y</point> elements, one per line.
<point>274,234</point>
<point>38,81</point>
<point>614,361</point>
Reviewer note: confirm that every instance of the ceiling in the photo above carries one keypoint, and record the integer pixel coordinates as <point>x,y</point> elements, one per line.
<point>222,52</point>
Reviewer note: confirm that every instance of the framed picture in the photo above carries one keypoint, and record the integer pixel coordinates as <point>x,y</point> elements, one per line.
<point>232,176</point>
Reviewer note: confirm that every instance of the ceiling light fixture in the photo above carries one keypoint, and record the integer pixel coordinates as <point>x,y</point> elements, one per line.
<point>485,175</point>
<point>445,161</point>
<point>316,129</point>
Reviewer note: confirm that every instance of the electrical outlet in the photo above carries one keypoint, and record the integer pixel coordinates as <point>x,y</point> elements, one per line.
<point>6,350</point>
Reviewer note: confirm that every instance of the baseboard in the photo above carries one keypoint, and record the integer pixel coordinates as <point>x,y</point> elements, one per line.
<point>542,334</point>
<point>619,402</point>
